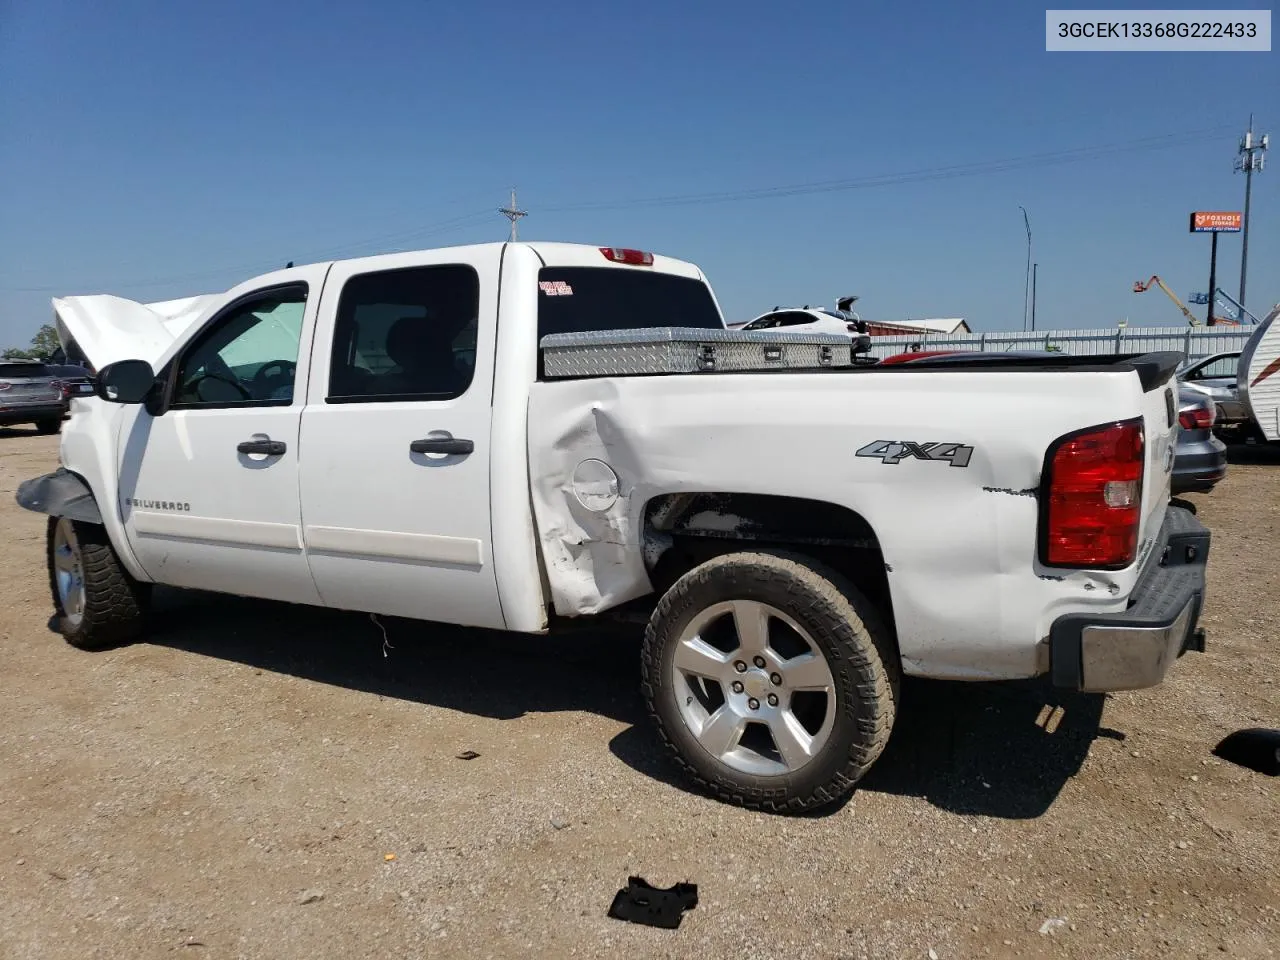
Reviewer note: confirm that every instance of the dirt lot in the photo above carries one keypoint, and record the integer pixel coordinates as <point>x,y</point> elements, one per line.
<point>236,786</point>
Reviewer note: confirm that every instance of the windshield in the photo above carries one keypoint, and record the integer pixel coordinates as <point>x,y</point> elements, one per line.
<point>589,299</point>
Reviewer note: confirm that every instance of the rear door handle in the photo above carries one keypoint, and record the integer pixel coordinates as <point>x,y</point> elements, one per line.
<point>272,448</point>
<point>442,445</point>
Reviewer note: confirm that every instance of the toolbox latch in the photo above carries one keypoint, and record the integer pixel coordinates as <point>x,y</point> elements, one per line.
<point>707,357</point>
<point>826,356</point>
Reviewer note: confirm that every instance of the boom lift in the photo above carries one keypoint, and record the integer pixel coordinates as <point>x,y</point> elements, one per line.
<point>1140,287</point>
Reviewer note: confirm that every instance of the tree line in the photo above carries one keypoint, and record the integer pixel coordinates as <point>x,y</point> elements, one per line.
<point>44,346</point>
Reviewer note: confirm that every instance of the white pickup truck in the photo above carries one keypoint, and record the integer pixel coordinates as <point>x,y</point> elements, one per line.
<point>378,435</point>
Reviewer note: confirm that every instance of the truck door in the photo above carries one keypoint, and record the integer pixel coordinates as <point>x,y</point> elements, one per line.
<point>395,438</point>
<point>209,485</point>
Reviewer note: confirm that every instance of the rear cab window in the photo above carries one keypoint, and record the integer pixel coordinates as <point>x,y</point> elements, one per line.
<point>591,299</point>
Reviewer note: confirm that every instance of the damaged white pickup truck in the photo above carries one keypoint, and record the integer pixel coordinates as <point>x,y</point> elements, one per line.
<point>389,435</point>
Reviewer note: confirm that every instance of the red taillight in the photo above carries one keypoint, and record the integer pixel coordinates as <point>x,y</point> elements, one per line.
<point>637,258</point>
<point>1093,497</point>
<point>5,385</point>
<point>1196,418</point>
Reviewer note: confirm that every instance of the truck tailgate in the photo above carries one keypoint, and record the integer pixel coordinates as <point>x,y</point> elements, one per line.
<point>1160,422</point>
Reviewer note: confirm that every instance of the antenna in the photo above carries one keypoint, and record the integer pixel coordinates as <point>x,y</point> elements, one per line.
<point>513,213</point>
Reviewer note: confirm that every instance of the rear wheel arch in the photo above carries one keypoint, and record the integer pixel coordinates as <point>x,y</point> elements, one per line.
<point>683,530</point>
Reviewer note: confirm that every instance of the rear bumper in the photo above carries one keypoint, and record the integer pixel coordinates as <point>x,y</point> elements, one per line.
<point>1134,649</point>
<point>31,412</point>
<point>1202,469</point>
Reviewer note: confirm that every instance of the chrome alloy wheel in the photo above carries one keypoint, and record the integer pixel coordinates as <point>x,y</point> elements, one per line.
<point>753,688</point>
<point>68,572</point>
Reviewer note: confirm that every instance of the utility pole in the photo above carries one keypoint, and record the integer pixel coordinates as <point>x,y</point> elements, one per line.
<point>1251,159</point>
<point>1035,267</point>
<point>1213,279</point>
<point>1026,284</point>
<point>513,213</point>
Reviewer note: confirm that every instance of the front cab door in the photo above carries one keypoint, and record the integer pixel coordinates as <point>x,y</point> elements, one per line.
<point>209,473</point>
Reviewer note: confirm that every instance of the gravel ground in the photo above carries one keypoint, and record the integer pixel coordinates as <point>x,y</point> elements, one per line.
<point>259,780</point>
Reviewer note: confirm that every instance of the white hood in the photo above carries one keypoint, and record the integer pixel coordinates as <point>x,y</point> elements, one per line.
<point>107,328</point>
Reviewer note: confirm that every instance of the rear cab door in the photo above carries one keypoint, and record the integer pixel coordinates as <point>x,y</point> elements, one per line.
<point>396,436</point>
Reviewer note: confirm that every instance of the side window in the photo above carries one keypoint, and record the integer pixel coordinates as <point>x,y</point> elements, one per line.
<point>1224,367</point>
<point>405,335</point>
<point>247,356</point>
<point>795,319</point>
<point>763,323</point>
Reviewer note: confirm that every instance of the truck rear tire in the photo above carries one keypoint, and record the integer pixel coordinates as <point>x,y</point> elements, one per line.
<point>773,681</point>
<point>96,602</point>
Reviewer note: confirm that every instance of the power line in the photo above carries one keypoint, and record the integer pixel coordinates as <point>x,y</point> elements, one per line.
<point>267,262</point>
<point>977,168</point>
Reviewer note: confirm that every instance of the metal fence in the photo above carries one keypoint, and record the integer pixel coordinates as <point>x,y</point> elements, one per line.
<point>1193,341</point>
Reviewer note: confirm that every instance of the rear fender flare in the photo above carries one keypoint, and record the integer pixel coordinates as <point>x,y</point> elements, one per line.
<point>60,494</point>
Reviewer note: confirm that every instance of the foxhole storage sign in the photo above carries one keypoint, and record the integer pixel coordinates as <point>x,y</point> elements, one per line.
<point>1215,221</point>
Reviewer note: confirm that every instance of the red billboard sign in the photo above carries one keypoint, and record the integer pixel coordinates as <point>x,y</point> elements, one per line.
<point>1219,221</point>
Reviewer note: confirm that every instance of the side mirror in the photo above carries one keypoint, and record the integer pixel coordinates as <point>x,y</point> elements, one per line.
<point>125,381</point>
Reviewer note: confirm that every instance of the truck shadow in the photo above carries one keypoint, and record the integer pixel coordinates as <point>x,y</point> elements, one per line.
<point>992,749</point>
<point>980,749</point>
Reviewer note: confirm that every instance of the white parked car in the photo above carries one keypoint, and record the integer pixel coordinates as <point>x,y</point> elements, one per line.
<point>808,319</point>
<point>380,435</point>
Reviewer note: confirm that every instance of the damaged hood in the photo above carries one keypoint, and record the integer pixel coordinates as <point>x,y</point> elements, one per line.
<point>107,328</point>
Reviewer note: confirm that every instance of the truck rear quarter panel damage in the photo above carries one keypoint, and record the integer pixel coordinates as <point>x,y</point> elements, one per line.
<point>959,543</point>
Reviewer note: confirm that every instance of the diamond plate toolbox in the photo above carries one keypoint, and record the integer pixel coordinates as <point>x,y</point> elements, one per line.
<point>607,353</point>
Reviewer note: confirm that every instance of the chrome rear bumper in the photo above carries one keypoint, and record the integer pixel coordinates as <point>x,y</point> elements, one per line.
<point>1134,649</point>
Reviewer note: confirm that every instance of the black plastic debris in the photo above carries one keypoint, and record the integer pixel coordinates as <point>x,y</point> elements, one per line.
<point>641,902</point>
<point>466,755</point>
<point>1257,749</point>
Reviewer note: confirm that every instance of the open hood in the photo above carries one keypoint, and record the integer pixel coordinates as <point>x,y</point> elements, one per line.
<point>107,328</point>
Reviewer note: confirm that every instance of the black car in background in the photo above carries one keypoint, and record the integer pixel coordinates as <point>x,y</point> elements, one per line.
<point>1200,460</point>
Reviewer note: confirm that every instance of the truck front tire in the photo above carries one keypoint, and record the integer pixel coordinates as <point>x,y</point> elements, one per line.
<point>96,602</point>
<point>773,681</point>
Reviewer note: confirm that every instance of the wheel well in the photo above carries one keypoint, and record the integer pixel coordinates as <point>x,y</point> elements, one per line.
<point>686,529</point>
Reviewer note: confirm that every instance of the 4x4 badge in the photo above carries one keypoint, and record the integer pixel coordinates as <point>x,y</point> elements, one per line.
<point>893,451</point>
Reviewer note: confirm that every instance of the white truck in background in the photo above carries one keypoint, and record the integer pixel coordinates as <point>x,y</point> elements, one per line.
<point>379,435</point>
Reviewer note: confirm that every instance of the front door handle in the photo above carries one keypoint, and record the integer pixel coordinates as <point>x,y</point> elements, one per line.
<point>272,448</point>
<point>442,445</point>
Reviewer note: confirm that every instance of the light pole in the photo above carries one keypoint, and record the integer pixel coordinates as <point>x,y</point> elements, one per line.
<point>1026,286</point>
<point>1035,268</point>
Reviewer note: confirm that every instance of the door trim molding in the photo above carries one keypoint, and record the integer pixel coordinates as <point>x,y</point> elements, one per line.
<point>393,545</point>
<point>236,533</point>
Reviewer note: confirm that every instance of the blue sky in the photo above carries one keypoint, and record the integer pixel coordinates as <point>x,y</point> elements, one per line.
<point>158,149</point>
